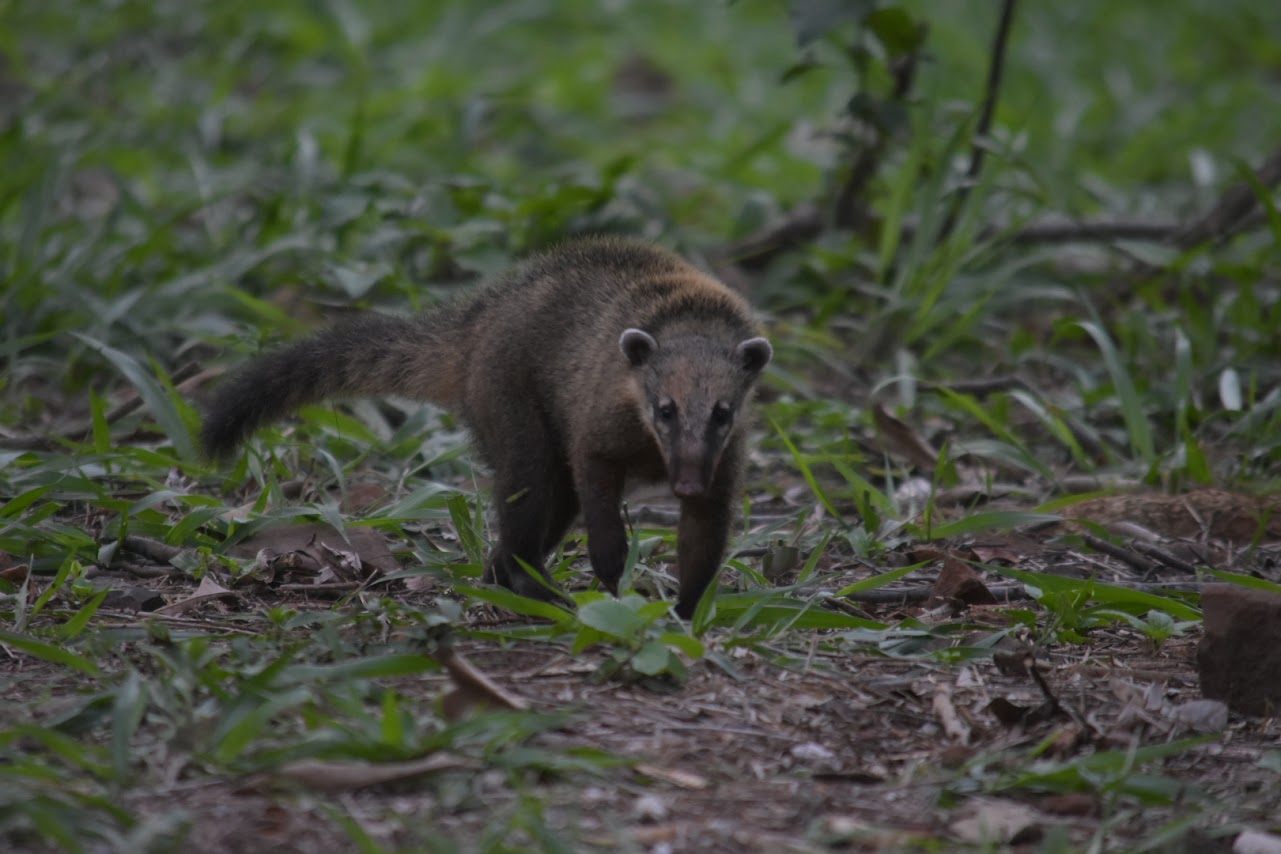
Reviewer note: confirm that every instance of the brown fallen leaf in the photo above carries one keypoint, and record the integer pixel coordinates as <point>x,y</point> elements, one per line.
<point>208,591</point>
<point>1070,803</point>
<point>1007,712</point>
<point>365,543</point>
<point>958,582</point>
<point>472,688</point>
<point>675,776</point>
<point>900,439</point>
<point>953,726</point>
<point>991,553</point>
<point>325,775</point>
<point>997,821</point>
<point>15,574</point>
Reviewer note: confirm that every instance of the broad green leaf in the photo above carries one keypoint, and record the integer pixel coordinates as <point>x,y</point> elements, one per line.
<point>691,646</point>
<point>612,617</point>
<point>652,658</point>
<point>991,520</point>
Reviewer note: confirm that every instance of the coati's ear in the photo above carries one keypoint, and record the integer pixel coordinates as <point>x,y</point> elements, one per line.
<point>754,354</point>
<point>638,345</point>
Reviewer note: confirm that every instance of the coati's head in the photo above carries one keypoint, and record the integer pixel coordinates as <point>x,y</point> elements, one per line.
<point>694,387</point>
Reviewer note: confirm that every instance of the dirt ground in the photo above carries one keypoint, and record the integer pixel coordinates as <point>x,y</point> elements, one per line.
<point>858,752</point>
<point>792,745</point>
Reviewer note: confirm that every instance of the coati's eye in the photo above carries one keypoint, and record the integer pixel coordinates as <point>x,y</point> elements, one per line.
<point>721,415</point>
<point>665,411</point>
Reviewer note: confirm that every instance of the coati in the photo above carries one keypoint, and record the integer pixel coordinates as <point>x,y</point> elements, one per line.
<point>599,362</point>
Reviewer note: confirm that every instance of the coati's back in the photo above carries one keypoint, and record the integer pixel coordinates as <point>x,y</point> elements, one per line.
<point>551,326</point>
<point>551,321</point>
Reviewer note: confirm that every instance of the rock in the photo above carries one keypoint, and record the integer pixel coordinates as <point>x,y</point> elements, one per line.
<point>1239,658</point>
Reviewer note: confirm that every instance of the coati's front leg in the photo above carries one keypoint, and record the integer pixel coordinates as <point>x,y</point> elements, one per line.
<point>600,492</point>
<point>704,530</point>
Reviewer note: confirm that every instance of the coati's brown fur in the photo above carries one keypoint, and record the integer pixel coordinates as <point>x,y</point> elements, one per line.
<point>599,362</point>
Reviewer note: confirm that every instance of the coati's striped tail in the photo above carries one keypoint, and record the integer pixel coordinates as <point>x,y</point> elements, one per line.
<point>370,355</point>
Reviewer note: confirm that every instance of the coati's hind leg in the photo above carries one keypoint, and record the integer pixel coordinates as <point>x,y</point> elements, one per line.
<point>600,491</point>
<point>535,500</point>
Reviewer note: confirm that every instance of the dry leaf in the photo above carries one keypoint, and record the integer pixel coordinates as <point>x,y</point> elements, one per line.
<point>1070,803</point>
<point>208,591</point>
<point>675,776</point>
<point>325,775</point>
<point>15,574</point>
<point>900,439</point>
<point>1201,715</point>
<point>1254,842</point>
<point>472,688</point>
<point>365,543</point>
<point>958,582</point>
<point>996,821</point>
<point>955,728</point>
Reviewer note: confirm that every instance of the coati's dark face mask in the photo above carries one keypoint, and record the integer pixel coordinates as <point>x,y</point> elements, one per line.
<point>694,388</point>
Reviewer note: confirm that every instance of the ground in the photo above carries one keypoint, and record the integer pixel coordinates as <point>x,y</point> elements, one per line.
<point>805,741</point>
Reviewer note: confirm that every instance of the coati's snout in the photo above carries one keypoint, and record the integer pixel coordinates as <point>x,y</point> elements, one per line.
<point>694,387</point>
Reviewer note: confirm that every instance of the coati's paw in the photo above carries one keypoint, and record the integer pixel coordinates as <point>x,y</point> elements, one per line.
<point>522,584</point>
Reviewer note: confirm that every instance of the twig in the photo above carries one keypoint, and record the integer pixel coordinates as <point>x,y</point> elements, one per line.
<point>991,93</point>
<point>147,570</point>
<point>1122,554</point>
<point>120,410</point>
<point>127,570</point>
<point>1010,592</point>
<point>805,222</point>
<point>152,549</point>
<point>334,590</point>
<point>1164,557</point>
<point>797,227</point>
<point>1233,209</point>
<point>1088,231</point>
<point>846,212</point>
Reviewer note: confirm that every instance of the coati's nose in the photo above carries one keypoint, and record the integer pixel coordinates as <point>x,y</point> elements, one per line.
<point>689,480</point>
<point>689,487</point>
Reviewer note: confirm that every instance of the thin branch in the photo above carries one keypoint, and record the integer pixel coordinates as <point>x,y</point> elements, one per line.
<point>805,223</point>
<point>1090,231</point>
<point>796,228</point>
<point>991,94</point>
<point>1008,592</point>
<point>155,550</point>
<point>1232,211</point>
<point>181,379</point>
<point>1121,553</point>
<point>847,212</point>
<point>1159,554</point>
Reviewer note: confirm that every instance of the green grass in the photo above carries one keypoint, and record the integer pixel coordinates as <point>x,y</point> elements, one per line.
<point>182,184</point>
